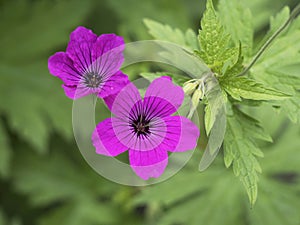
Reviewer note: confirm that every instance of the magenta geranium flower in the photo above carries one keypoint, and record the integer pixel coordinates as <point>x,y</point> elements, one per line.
<point>146,128</point>
<point>90,65</point>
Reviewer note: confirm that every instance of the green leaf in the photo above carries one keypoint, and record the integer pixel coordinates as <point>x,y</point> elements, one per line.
<point>277,21</point>
<point>279,65</point>
<point>5,152</point>
<point>214,42</point>
<point>40,113</point>
<point>83,212</point>
<point>240,150</point>
<point>32,100</point>
<point>176,78</point>
<point>191,197</point>
<point>262,11</point>
<point>2,219</point>
<point>182,204</point>
<point>66,179</point>
<point>243,87</point>
<point>237,20</point>
<point>33,38</point>
<point>236,67</point>
<point>130,25</point>
<point>166,33</point>
<point>281,172</point>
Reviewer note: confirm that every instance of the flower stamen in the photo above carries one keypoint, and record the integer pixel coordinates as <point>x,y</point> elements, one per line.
<point>92,79</point>
<point>141,126</point>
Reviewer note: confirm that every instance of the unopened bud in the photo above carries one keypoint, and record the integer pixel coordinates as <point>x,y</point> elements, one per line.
<point>189,88</point>
<point>197,96</point>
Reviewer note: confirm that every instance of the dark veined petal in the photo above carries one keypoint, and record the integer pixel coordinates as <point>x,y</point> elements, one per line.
<point>61,66</point>
<point>112,87</point>
<point>181,135</point>
<point>127,103</point>
<point>107,42</point>
<point>105,139</point>
<point>162,98</point>
<point>107,55</point>
<point>147,164</point>
<point>77,91</point>
<point>80,48</point>
<point>82,34</point>
<point>144,142</point>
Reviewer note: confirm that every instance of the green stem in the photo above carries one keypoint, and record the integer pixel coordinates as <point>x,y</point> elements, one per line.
<point>293,15</point>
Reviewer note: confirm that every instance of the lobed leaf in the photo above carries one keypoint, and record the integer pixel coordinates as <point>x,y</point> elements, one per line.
<point>240,150</point>
<point>214,42</point>
<point>176,78</point>
<point>243,87</point>
<point>279,65</point>
<point>166,33</point>
<point>237,20</point>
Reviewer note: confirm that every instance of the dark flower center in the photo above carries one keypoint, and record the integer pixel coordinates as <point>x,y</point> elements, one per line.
<point>141,126</point>
<point>92,79</point>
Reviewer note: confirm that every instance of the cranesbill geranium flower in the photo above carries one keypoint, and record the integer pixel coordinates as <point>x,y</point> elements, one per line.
<point>146,128</point>
<point>90,65</point>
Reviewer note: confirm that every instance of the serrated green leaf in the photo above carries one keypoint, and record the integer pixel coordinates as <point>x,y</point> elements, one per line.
<point>5,152</point>
<point>243,87</point>
<point>215,190</point>
<point>166,33</point>
<point>176,78</point>
<point>40,113</point>
<point>240,150</point>
<point>65,178</point>
<point>278,201</point>
<point>31,99</point>
<point>214,42</point>
<point>33,38</point>
<point>2,219</point>
<point>83,212</point>
<point>235,67</point>
<point>237,19</point>
<point>279,65</point>
<point>262,9</point>
<point>253,127</point>
<point>130,25</point>
<point>182,204</point>
<point>292,107</point>
<point>275,23</point>
<point>279,19</point>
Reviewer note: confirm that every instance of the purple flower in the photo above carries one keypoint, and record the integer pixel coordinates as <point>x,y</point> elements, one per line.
<point>146,128</point>
<point>90,65</point>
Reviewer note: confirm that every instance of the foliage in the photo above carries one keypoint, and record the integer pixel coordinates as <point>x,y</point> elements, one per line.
<point>45,181</point>
<point>223,47</point>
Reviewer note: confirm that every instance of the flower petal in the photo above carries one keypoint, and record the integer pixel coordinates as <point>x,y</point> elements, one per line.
<point>127,102</point>
<point>182,134</point>
<point>107,55</point>
<point>80,48</point>
<point>106,141</point>
<point>80,53</point>
<point>82,34</point>
<point>61,66</point>
<point>114,84</point>
<point>162,98</point>
<point>148,164</point>
<point>75,92</point>
<point>126,134</point>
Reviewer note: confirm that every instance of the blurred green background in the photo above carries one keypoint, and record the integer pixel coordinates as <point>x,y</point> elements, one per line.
<point>43,178</point>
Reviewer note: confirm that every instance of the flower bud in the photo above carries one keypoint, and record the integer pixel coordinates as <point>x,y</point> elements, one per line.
<point>189,88</point>
<point>197,96</point>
